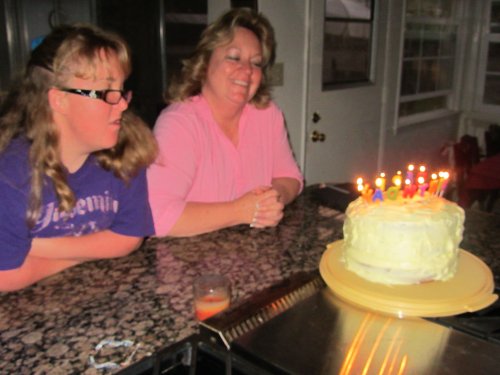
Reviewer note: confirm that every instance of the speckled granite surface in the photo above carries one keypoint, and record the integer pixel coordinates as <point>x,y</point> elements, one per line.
<point>54,326</point>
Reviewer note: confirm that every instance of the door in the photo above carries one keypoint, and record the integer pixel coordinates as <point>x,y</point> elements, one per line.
<point>342,124</point>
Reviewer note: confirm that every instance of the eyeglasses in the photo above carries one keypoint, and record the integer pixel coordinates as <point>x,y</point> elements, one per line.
<point>109,96</point>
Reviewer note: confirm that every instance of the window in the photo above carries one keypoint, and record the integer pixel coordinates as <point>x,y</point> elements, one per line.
<point>429,56</point>
<point>347,43</point>
<point>491,72</point>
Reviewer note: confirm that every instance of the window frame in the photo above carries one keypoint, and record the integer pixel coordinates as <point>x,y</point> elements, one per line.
<point>486,37</point>
<point>450,95</point>
<point>371,21</point>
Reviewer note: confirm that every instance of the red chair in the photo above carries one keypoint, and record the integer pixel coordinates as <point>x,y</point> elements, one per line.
<point>478,180</point>
<point>465,155</point>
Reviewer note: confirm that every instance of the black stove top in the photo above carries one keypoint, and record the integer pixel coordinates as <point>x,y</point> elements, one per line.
<point>483,324</point>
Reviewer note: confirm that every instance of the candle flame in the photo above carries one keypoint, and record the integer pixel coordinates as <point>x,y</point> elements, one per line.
<point>421,180</point>
<point>422,168</point>
<point>359,181</point>
<point>411,167</point>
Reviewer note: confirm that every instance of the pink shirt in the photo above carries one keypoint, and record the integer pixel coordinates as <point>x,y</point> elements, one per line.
<point>198,163</point>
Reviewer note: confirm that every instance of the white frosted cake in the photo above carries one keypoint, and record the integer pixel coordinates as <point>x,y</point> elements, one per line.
<point>403,241</point>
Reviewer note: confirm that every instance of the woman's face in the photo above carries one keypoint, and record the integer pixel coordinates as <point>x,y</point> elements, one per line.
<point>234,71</point>
<point>93,124</point>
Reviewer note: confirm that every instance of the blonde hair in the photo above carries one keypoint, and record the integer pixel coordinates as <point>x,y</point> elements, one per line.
<point>193,75</point>
<point>66,51</point>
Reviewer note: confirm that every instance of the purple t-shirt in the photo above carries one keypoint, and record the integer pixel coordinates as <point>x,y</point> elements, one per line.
<point>103,201</point>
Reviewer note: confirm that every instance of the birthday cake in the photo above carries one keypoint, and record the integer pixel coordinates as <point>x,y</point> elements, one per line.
<point>405,239</point>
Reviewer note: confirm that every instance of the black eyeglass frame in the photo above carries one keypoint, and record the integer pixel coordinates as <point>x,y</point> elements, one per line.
<point>100,94</point>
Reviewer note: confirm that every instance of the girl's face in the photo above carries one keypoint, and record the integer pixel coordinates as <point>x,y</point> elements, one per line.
<point>91,124</point>
<point>234,71</point>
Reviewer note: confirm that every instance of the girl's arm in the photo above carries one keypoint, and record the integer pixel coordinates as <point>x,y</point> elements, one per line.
<point>49,256</point>
<point>104,244</point>
<point>32,270</point>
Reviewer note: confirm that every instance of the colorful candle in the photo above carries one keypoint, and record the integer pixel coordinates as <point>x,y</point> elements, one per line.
<point>378,196</point>
<point>382,176</point>
<point>433,184</point>
<point>409,190</point>
<point>366,193</point>
<point>397,179</point>
<point>440,183</point>
<point>392,193</point>
<point>422,185</point>
<point>422,172</point>
<point>444,183</point>
<point>409,173</point>
<point>380,182</point>
<point>359,182</point>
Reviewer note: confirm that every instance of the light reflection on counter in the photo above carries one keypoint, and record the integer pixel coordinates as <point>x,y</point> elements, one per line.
<point>383,344</point>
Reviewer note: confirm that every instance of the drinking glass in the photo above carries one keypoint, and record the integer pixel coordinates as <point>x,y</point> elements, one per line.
<point>212,294</point>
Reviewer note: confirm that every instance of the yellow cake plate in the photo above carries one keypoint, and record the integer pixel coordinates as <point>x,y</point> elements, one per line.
<point>471,288</point>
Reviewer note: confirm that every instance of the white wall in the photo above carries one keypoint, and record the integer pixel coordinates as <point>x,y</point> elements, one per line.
<point>289,22</point>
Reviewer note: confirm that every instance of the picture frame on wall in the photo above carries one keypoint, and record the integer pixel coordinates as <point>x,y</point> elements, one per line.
<point>252,4</point>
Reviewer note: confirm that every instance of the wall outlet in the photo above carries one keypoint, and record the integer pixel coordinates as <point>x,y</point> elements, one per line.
<point>277,74</point>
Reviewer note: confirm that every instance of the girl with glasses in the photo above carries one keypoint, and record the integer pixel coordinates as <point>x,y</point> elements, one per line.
<point>72,159</point>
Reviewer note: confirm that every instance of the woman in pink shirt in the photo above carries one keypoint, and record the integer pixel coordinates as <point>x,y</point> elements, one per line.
<point>224,153</point>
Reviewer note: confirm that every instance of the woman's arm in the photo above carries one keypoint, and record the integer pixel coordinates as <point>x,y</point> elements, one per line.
<point>198,218</point>
<point>104,244</point>
<point>287,187</point>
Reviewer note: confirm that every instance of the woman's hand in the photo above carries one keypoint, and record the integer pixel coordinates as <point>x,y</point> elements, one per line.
<point>268,208</point>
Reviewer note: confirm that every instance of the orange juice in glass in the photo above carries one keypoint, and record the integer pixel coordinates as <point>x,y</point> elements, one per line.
<point>211,295</point>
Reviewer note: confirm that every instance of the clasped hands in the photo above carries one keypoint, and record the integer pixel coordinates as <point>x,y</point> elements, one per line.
<point>266,207</point>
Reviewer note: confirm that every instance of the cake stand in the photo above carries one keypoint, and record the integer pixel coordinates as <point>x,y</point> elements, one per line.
<point>471,288</point>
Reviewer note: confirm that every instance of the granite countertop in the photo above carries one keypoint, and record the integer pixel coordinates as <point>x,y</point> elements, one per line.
<point>54,326</point>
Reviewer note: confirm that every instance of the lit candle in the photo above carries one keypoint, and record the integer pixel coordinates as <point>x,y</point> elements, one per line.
<point>422,185</point>
<point>444,183</point>
<point>382,176</point>
<point>422,172</point>
<point>397,179</point>
<point>392,193</point>
<point>440,183</point>
<point>367,193</point>
<point>433,184</point>
<point>409,190</point>
<point>378,196</point>
<point>409,173</point>
<point>359,181</point>
<point>380,182</point>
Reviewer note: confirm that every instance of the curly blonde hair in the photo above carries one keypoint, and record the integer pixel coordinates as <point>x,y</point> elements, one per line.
<point>194,70</point>
<point>66,51</point>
